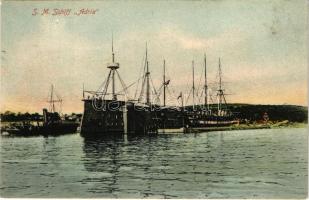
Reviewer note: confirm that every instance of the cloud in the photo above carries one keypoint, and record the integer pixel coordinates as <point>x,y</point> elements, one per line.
<point>189,41</point>
<point>241,76</point>
<point>55,54</point>
<point>51,55</point>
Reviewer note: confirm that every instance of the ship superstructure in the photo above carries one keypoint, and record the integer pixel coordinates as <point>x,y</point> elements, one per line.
<point>103,113</point>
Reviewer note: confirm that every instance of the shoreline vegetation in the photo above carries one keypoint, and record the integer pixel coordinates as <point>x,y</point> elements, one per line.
<point>269,125</point>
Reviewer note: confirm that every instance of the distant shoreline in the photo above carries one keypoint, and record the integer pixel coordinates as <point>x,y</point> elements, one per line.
<point>242,126</point>
<point>251,126</point>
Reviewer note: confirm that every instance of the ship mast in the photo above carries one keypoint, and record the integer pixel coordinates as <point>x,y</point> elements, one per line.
<point>220,93</point>
<point>147,79</point>
<point>52,101</point>
<point>113,68</point>
<point>220,75</point>
<point>164,84</point>
<point>220,90</point>
<point>111,76</point>
<point>205,84</point>
<point>102,91</point>
<point>193,87</point>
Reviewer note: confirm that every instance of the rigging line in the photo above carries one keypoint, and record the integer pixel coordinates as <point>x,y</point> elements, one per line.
<point>102,85</point>
<point>168,90</point>
<point>202,94</point>
<point>173,88</point>
<point>60,110</point>
<point>199,83</point>
<point>140,75</point>
<point>93,92</point>
<point>106,85</point>
<point>160,90</point>
<point>188,88</point>
<point>121,81</point>
<point>171,85</point>
<point>156,99</point>
<point>142,89</point>
<point>129,85</point>
<point>153,85</point>
<point>144,80</point>
<point>124,87</point>
<point>56,94</point>
<point>199,97</point>
<point>117,93</point>
<point>225,104</point>
<point>188,97</point>
<point>211,99</point>
<point>173,91</point>
<point>154,89</point>
<point>58,97</point>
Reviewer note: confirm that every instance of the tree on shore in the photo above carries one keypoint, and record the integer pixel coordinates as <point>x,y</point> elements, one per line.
<point>9,116</point>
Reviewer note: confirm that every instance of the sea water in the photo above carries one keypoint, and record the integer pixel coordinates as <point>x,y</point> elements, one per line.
<point>269,163</point>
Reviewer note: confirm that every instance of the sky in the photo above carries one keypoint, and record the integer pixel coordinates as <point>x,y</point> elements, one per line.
<point>262,45</point>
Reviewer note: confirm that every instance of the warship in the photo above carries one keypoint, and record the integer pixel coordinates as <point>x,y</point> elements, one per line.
<point>107,112</point>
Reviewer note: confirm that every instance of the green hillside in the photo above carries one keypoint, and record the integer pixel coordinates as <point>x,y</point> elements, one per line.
<point>292,113</point>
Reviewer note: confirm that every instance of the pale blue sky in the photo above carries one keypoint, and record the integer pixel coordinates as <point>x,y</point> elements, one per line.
<point>263,46</point>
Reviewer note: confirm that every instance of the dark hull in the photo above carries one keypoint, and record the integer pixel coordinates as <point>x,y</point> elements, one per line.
<point>59,129</point>
<point>116,118</point>
<point>46,130</point>
<point>177,119</point>
<point>102,122</point>
<point>141,120</point>
<point>211,121</point>
<point>171,118</point>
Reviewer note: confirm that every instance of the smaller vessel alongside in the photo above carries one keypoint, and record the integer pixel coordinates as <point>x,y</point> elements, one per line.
<point>52,123</point>
<point>204,118</point>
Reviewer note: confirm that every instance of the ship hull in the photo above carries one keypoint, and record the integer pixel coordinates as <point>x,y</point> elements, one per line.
<point>101,118</point>
<point>107,118</point>
<point>45,130</point>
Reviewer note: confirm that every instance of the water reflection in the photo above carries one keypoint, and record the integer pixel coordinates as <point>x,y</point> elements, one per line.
<point>50,151</point>
<point>124,164</point>
<point>101,160</point>
<point>235,164</point>
<point>206,165</point>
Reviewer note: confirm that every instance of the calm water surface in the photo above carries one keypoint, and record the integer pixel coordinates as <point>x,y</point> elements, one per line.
<point>234,164</point>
